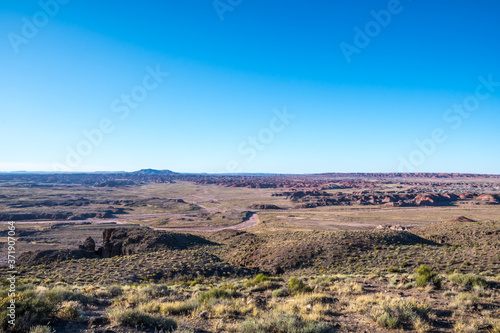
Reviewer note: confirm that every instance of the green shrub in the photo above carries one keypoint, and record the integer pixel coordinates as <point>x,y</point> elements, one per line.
<point>31,310</point>
<point>179,308</point>
<point>464,301</point>
<point>280,293</point>
<point>259,279</point>
<point>296,285</point>
<point>114,290</point>
<point>468,280</point>
<point>155,290</point>
<point>68,310</point>
<point>61,294</point>
<point>138,318</point>
<point>218,293</point>
<point>198,280</point>
<point>265,285</point>
<point>393,312</point>
<point>425,275</point>
<point>387,320</point>
<point>323,281</point>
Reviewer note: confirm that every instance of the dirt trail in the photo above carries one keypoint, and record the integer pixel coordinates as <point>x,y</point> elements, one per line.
<point>249,222</point>
<point>69,221</point>
<point>117,220</point>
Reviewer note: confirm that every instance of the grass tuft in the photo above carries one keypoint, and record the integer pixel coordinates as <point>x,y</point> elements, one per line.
<point>468,280</point>
<point>139,318</point>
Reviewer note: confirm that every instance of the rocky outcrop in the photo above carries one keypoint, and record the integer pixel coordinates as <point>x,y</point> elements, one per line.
<point>118,242</point>
<point>264,206</point>
<point>488,199</point>
<point>31,258</point>
<point>88,245</point>
<point>122,241</point>
<point>407,198</point>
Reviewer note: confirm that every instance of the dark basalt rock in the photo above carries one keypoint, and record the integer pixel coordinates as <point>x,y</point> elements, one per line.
<point>47,256</point>
<point>88,245</point>
<point>122,241</point>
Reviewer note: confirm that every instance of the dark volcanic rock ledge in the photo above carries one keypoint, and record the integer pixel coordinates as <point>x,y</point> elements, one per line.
<point>117,242</point>
<point>43,257</point>
<point>122,241</point>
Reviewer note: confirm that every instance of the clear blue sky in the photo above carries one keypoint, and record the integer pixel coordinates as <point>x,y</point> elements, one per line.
<point>228,78</point>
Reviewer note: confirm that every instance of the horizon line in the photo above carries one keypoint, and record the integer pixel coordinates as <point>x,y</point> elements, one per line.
<point>244,173</point>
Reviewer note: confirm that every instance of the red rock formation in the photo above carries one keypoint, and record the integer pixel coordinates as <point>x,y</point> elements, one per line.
<point>487,198</point>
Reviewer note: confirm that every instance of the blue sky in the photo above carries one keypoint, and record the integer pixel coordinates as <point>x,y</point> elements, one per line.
<point>216,110</point>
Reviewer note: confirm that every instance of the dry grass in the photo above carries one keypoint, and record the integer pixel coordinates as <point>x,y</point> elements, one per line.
<point>347,288</point>
<point>139,318</point>
<point>393,312</point>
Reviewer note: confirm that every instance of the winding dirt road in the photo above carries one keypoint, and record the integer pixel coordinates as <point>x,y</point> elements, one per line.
<point>248,222</point>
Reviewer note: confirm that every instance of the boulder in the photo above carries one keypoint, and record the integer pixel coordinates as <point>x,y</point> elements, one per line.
<point>88,245</point>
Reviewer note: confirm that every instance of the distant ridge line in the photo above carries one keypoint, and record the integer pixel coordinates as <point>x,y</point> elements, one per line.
<point>166,172</point>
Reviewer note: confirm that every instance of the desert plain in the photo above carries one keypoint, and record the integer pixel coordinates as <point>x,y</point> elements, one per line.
<point>159,251</point>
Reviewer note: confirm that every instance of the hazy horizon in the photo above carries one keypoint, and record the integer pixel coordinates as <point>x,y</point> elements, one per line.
<point>235,173</point>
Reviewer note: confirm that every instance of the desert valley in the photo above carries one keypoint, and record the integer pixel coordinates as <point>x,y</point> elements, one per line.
<point>159,251</point>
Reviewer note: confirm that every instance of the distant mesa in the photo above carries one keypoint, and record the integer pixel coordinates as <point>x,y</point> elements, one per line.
<point>154,172</point>
<point>460,219</point>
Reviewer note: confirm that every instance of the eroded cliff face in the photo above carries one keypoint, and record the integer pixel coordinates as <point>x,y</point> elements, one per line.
<point>409,198</point>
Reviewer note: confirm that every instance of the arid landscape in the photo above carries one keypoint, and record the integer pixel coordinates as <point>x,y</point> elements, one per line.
<point>231,166</point>
<point>158,251</point>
